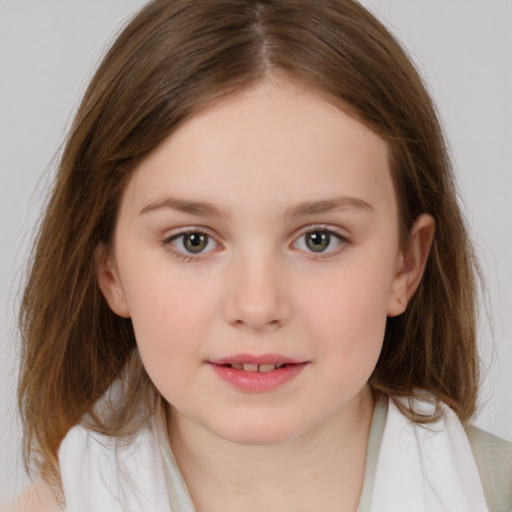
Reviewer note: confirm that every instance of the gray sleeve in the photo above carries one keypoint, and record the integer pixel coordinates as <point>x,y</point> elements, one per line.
<point>493,457</point>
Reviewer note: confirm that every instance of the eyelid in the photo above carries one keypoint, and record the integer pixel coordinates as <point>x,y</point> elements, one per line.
<point>188,229</point>
<point>186,256</point>
<point>191,257</point>
<point>332,230</point>
<point>311,228</point>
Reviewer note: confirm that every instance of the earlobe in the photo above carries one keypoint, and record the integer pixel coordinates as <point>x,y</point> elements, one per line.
<point>411,264</point>
<point>109,282</point>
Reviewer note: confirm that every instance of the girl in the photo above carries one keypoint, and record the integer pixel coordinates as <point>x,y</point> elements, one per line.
<point>253,286</point>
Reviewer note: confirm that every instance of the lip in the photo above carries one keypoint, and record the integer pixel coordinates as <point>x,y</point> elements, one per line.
<point>253,359</point>
<point>257,382</point>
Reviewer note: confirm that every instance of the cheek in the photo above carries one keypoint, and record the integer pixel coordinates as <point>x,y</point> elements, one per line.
<point>348,325</point>
<point>347,310</point>
<point>159,295</point>
<point>170,316</point>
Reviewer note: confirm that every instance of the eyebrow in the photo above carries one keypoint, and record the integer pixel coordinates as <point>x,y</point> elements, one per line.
<point>206,209</point>
<point>197,208</point>
<point>327,205</point>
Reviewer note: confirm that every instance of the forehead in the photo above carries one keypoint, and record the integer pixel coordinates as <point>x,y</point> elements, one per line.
<point>265,147</point>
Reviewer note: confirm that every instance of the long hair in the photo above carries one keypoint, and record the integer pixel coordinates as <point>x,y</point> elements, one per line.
<point>174,58</point>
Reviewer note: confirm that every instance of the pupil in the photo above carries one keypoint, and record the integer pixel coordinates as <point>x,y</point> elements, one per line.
<point>318,241</point>
<point>195,242</point>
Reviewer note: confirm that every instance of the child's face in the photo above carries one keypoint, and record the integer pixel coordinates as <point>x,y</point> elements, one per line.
<point>264,230</point>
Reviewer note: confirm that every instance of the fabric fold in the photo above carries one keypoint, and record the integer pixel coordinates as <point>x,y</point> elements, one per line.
<point>426,468</point>
<point>420,468</point>
<point>100,473</point>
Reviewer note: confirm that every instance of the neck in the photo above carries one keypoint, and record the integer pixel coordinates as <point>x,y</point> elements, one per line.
<point>319,470</point>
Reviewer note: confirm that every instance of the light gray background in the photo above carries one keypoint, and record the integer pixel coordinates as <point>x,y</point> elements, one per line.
<point>49,48</point>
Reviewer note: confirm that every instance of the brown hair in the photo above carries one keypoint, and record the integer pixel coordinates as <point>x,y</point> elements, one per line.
<point>175,57</point>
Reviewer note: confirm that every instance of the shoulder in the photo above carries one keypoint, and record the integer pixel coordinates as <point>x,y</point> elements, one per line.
<point>118,474</point>
<point>493,457</point>
<point>36,498</point>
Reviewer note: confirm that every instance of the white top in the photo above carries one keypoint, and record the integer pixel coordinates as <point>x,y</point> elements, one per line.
<point>427,468</point>
<point>101,474</point>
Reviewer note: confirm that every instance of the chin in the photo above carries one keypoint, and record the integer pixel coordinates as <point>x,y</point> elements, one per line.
<point>259,432</point>
<point>256,438</point>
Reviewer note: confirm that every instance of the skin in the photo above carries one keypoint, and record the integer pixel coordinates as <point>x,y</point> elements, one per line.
<point>258,288</point>
<point>271,164</point>
<point>36,498</point>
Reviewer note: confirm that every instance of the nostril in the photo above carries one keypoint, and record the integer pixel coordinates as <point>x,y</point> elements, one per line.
<point>257,325</point>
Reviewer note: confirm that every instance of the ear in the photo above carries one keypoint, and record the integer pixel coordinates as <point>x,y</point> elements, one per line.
<point>411,264</point>
<point>109,282</point>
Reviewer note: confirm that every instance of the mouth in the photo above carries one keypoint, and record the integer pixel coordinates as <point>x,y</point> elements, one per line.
<point>252,363</point>
<point>257,373</point>
<point>251,367</point>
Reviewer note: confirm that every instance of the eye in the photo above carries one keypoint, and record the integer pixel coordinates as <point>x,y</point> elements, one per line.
<point>192,242</point>
<point>320,241</point>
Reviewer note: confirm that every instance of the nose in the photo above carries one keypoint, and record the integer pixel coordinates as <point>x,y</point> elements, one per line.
<point>256,298</point>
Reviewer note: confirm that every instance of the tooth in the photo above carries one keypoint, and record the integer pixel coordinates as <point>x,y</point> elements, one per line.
<point>279,366</point>
<point>250,367</point>
<point>266,367</point>
<point>237,366</point>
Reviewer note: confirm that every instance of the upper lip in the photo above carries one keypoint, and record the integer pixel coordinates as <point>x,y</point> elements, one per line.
<point>254,359</point>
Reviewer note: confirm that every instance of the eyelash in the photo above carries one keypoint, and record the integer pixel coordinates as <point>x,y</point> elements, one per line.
<point>323,255</point>
<point>183,256</point>
<point>167,243</point>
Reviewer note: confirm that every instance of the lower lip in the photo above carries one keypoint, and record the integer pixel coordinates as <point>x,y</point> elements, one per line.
<point>258,382</point>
